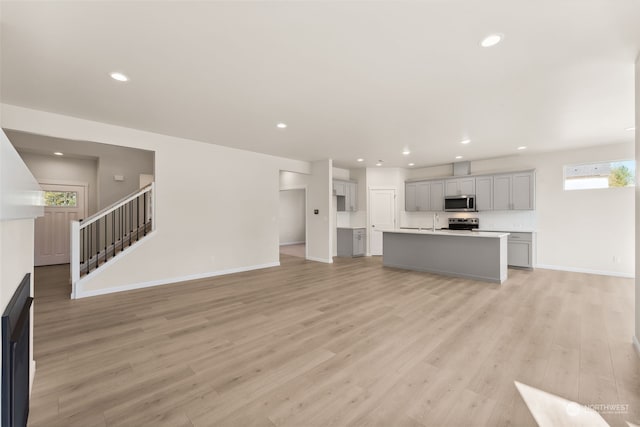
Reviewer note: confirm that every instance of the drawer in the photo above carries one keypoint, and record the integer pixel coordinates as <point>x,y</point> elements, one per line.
<point>526,237</point>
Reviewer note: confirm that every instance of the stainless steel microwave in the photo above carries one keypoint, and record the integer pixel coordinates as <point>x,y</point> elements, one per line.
<point>460,203</point>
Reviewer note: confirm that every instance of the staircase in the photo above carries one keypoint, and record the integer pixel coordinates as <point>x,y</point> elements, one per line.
<point>108,234</point>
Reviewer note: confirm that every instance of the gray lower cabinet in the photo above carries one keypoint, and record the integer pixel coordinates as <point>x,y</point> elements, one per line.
<point>352,242</point>
<point>520,253</point>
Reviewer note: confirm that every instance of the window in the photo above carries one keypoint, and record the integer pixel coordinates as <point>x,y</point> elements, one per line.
<point>587,176</point>
<point>61,199</point>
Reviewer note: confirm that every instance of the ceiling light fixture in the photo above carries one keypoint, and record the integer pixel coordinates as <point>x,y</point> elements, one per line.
<point>281,125</point>
<point>379,163</point>
<point>57,153</point>
<point>465,141</point>
<point>522,147</point>
<point>119,77</point>
<point>458,157</point>
<point>491,40</point>
<point>631,128</point>
<point>406,152</point>
<point>360,160</point>
<point>412,164</point>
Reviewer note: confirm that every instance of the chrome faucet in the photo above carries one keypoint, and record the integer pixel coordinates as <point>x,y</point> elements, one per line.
<point>435,220</point>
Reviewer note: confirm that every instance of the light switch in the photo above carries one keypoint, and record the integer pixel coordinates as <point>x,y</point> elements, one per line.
<point>118,177</point>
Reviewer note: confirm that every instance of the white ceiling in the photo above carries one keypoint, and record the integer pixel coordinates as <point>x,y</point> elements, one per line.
<point>351,79</point>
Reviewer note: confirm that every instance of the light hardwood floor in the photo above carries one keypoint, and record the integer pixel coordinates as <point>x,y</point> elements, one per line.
<point>311,344</point>
<point>293,250</point>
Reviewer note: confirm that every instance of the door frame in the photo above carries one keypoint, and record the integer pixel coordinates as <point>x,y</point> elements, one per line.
<point>395,210</point>
<point>55,182</point>
<point>306,219</point>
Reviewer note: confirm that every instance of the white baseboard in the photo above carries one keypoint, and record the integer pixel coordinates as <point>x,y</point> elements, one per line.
<point>292,243</point>
<point>80,293</point>
<point>585,270</point>
<point>636,345</point>
<point>326,261</point>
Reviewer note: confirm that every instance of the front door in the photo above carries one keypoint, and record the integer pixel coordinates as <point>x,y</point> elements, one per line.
<point>63,204</point>
<point>382,208</point>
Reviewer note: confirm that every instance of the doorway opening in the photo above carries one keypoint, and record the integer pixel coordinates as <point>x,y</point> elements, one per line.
<point>292,222</point>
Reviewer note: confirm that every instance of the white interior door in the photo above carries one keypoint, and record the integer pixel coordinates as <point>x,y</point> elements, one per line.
<point>382,216</point>
<point>63,203</point>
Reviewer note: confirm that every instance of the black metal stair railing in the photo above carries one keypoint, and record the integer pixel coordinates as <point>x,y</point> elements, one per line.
<point>98,239</point>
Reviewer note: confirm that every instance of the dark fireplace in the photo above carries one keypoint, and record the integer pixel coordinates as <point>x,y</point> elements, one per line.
<point>16,330</point>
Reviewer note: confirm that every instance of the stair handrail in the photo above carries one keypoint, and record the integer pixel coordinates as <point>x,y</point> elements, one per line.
<point>105,211</point>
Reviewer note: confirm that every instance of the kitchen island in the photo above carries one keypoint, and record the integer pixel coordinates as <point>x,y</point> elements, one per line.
<point>477,255</point>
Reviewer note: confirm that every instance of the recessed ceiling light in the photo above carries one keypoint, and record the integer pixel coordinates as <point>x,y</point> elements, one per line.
<point>57,153</point>
<point>465,141</point>
<point>491,40</point>
<point>360,160</point>
<point>281,125</point>
<point>406,152</point>
<point>458,157</point>
<point>119,77</point>
<point>631,128</point>
<point>412,164</point>
<point>522,147</point>
<point>379,163</point>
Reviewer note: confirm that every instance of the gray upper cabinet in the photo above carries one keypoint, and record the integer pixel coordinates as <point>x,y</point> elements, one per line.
<point>460,186</point>
<point>410,201</point>
<point>436,193</point>
<point>347,192</point>
<point>502,192</point>
<point>423,196</point>
<point>523,191</point>
<point>484,193</point>
<point>514,191</point>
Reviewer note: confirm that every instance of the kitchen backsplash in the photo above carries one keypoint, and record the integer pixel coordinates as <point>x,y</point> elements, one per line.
<point>496,220</point>
<point>351,219</point>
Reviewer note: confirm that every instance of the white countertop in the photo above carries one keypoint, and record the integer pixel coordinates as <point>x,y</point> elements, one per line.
<point>352,228</point>
<point>460,233</point>
<point>506,230</point>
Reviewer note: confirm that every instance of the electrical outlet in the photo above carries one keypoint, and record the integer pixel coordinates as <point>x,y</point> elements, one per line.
<point>616,259</point>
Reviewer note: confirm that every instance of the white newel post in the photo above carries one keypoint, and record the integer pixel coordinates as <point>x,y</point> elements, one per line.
<point>153,206</point>
<point>75,256</point>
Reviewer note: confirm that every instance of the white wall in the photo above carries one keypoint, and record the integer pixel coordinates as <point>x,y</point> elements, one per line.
<point>637,213</point>
<point>112,160</point>
<point>49,167</point>
<point>20,193</point>
<point>291,219</point>
<point>320,226</point>
<point>230,195</point>
<point>293,180</point>
<point>579,230</point>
